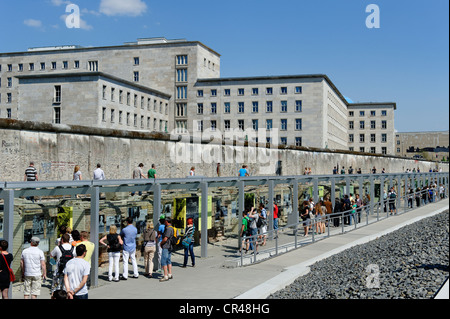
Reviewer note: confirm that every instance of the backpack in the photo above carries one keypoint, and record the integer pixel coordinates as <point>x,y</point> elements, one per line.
<point>66,255</point>
<point>393,195</point>
<point>174,240</point>
<point>149,235</point>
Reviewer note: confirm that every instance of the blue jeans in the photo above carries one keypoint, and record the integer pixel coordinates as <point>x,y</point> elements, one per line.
<point>166,257</point>
<point>275,223</point>
<point>187,251</point>
<point>85,296</point>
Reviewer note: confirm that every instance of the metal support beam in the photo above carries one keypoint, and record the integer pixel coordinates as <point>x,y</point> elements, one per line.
<point>333,192</point>
<point>204,220</point>
<point>156,203</point>
<point>271,202</point>
<point>294,216</point>
<point>94,234</point>
<point>316,190</point>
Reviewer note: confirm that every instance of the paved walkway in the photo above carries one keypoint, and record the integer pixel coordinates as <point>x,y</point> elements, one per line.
<point>211,280</point>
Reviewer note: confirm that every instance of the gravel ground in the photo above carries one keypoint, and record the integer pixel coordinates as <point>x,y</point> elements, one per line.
<point>410,263</point>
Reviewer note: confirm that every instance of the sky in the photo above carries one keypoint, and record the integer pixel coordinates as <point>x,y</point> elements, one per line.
<point>405,60</point>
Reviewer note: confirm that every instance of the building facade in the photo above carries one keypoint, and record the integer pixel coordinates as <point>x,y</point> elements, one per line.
<point>175,86</point>
<point>426,145</point>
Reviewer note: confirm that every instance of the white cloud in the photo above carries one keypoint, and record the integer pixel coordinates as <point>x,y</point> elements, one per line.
<point>59,2</point>
<point>33,23</point>
<point>120,7</point>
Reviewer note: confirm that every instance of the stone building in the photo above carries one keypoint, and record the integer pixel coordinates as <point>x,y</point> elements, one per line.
<point>175,86</point>
<point>426,145</point>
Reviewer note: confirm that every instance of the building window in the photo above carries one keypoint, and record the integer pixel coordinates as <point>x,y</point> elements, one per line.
<point>8,113</point>
<point>113,90</point>
<point>361,125</point>
<point>373,113</point>
<point>373,150</point>
<point>241,107</point>
<point>284,124</point>
<point>20,69</point>
<point>57,115</point>
<point>9,67</point>
<point>200,108</point>
<point>269,107</point>
<point>372,138</point>
<point>120,96</point>
<point>255,107</point>
<point>351,113</point>
<point>200,93</point>
<point>362,113</point>
<point>200,126</point>
<point>384,138</point>
<point>136,76</point>
<point>9,82</point>
<point>362,149</point>
<point>283,90</point>
<point>298,124</point>
<point>213,108</point>
<point>269,125</point>
<point>283,140</point>
<point>384,150</point>
<point>136,61</point>
<point>76,65</point>
<point>31,66</point>
<point>93,66</point>
<point>213,125</point>
<point>269,91</point>
<point>53,65</point>
<point>255,91</point>
<point>8,97</point>
<point>298,141</point>
<point>181,109</point>
<point>241,125</point>
<point>283,106</point>
<point>227,108</point>
<point>135,100</point>
<point>213,92</point>
<point>362,138</point>
<point>128,98</point>
<point>383,113</point>
<point>120,117</point>
<point>351,125</point>
<point>182,75</point>
<point>57,94</point>
<point>182,59</point>
<point>181,92</point>
<point>113,114</point>
<point>65,65</point>
<point>104,114</point>
<point>135,120</point>
<point>227,125</point>
<point>298,106</point>
<point>241,92</point>
<point>384,124</point>
<point>42,66</point>
<point>128,118</point>
<point>227,92</point>
<point>351,138</point>
<point>373,125</point>
<point>298,90</point>
<point>255,125</point>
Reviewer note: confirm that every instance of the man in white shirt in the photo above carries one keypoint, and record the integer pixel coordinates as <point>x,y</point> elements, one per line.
<point>68,250</point>
<point>76,275</point>
<point>98,173</point>
<point>33,268</point>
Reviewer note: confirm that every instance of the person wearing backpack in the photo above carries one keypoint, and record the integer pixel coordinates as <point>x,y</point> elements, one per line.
<point>253,228</point>
<point>62,253</point>
<point>245,230</point>
<point>392,198</point>
<point>149,244</point>
<point>114,246</point>
<point>167,248</point>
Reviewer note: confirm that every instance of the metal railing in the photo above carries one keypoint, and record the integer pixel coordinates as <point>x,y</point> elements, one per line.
<point>379,211</point>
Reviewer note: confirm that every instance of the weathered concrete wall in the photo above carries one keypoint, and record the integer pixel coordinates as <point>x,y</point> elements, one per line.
<point>56,149</point>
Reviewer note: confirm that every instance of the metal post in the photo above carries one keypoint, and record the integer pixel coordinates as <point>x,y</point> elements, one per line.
<point>204,221</point>
<point>8,222</point>
<point>271,202</point>
<point>372,193</point>
<point>95,206</point>
<point>241,208</point>
<point>294,218</point>
<point>156,203</point>
<point>333,191</point>
<point>316,190</point>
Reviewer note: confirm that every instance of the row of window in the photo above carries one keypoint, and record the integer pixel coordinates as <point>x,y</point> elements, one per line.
<point>255,125</point>
<point>363,113</point>
<point>372,149</point>
<point>362,125</point>
<point>269,107</point>
<point>254,91</point>
<point>135,118</point>
<point>362,138</point>
<point>142,101</point>
<point>92,66</point>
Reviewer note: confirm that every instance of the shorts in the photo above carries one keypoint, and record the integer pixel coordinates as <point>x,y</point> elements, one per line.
<point>166,257</point>
<point>32,285</point>
<point>392,206</point>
